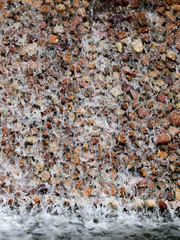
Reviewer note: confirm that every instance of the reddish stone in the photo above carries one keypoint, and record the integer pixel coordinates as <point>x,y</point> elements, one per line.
<point>68,132</point>
<point>143,183</point>
<point>126,70</point>
<point>42,25</point>
<point>94,140</point>
<point>165,123</point>
<point>8,13</point>
<point>135,95</point>
<point>173,145</point>
<point>163,139</point>
<point>174,118</point>
<point>169,80</point>
<point>76,20</point>
<point>162,205</point>
<point>12,49</point>
<point>143,112</point>
<point>145,60</point>
<point>161,98</point>
<point>126,87</point>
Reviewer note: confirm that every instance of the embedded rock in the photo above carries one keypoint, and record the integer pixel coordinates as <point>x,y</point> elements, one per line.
<point>174,118</point>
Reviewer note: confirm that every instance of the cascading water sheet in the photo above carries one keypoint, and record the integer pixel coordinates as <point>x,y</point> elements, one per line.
<point>89,119</point>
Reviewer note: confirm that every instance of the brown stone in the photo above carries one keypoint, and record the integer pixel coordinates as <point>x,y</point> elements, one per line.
<point>171,17</point>
<point>121,138</point>
<point>160,65</point>
<point>160,10</point>
<point>134,3</point>
<point>169,39</point>
<point>120,35</point>
<point>171,27</point>
<point>162,48</point>
<point>45,176</point>
<point>143,29</point>
<point>45,8</point>
<point>94,140</point>
<point>162,205</point>
<point>163,139</point>
<point>177,43</point>
<point>123,192</point>
<point>87,191</point>
<point>174,118</point>
<point>53,39</point>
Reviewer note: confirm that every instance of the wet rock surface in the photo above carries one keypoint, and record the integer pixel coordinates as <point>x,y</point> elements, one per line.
<point>89,100</point>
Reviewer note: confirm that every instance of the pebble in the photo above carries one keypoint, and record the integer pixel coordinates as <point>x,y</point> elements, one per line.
<point>76,20</point>
<point>45,176</point>
<point>117,91</point>
<point>138,46</point>
<point>45,8</point>
<point>177,194</point>
<point>143,112</point>
<point>161,98</point>
<point>61,7</point>
<point>171,55</point>
<point>58,29</point>
<point>169,15</point>
<point>119,46</point>
<point>53,39</point>
<point>162,205</point>
<point>40,166</point>
<point>121,138</point>
<point>81,11</point>
<point>53,147</point>
<point>163,139</point>
<point>14,86</point>
<point>30,140</point>
<point>177,43</point>
<point>150,203</point>
<point>31,49</point>
<point>174,118</point>
<point>137,204</point>
<point>173,130</point>
<point>143,183</point>
<point>134,3</point>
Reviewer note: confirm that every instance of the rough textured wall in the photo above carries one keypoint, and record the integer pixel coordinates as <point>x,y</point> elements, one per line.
<point>89,100</point>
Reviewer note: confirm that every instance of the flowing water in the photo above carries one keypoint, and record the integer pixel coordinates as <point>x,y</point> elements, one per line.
<point>87,224</point>
<point>74,75</point>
